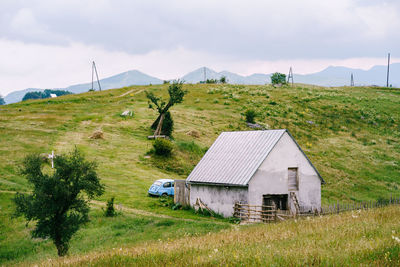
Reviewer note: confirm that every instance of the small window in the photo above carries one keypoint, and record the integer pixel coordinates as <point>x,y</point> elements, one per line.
<point>293,179</point>
<point>167,184</point>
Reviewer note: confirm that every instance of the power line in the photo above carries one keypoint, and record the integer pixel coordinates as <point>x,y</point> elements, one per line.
<point>290,75</point>
<point>94,70</point>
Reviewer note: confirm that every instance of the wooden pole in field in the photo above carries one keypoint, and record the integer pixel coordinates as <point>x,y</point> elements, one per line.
<point>351,80</point>
<point>387,76</point>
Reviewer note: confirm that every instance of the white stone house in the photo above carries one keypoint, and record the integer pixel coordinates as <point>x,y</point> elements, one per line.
<point>257,168</point>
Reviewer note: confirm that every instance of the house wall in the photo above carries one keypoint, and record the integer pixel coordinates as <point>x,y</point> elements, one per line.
<point>220,199</point>
<point>272,176</point>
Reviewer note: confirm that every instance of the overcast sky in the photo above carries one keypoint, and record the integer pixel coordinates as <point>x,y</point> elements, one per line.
<point>51,43</point>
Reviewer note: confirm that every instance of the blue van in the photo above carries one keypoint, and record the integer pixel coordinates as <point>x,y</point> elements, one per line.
<point>162,187</point>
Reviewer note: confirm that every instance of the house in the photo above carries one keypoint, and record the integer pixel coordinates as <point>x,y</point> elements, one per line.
<point>257,168</point>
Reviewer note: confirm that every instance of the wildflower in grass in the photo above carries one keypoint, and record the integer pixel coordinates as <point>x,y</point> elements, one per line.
<point>396,238</point>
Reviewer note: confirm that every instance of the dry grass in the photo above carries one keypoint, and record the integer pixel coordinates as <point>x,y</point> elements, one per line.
<point>350,239</point>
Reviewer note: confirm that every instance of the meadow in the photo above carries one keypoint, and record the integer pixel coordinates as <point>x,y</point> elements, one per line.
<point>351,134</point>
<point>359,238</point>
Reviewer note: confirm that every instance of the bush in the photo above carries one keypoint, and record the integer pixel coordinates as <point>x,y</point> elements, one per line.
<point>110,211</point>
<point>250,115</point>
<point>278,78</point>
<point>162,147</point>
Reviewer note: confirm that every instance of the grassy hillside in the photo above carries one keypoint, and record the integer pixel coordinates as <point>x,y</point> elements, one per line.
<point>370,238</point>
<point>352,135</point>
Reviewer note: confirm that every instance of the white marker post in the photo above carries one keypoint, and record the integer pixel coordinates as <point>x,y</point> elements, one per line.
<point>51,156</point>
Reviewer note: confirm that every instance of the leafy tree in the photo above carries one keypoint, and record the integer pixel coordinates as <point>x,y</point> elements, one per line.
<point>176,94</point>
<point>211,81</point>
<point>223,79</point>
<point>278,78</point>
<point>2,102</point>
<point>59,200</point>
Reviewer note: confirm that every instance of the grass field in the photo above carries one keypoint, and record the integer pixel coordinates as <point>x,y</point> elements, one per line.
<point>351,239</point>
<point>352,135</point>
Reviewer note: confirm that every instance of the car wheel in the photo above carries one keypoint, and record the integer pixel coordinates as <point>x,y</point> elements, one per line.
<point>164,195</point>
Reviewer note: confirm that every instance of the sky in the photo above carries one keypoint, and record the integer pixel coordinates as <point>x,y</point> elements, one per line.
<point>51,43</point>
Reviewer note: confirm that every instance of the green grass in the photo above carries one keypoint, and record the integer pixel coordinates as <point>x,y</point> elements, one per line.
<point>352,135</point>
<point>101,233</point>
<point>364,238</point>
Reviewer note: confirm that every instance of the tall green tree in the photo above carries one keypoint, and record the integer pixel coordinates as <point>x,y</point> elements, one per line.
<point>176,94</point>
<point>58,203</point>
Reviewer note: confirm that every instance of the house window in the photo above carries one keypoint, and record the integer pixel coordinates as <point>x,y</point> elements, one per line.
<point>293,179</point>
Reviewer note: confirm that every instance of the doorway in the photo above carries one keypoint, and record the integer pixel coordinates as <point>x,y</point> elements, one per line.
<point>280,202</point>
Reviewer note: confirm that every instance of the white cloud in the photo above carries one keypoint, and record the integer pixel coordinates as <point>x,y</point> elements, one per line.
<point>47,43</point>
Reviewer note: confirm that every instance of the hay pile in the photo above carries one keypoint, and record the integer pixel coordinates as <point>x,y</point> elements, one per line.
<point>97,135</point>
<point>194,133</point>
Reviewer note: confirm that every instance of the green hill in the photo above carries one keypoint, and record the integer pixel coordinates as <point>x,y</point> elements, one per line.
<point>352,136</point>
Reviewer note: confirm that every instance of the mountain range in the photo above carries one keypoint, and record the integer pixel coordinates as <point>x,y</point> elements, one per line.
<point>331,76</point>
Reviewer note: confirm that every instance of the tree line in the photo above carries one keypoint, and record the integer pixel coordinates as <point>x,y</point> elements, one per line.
<point>44,94</point>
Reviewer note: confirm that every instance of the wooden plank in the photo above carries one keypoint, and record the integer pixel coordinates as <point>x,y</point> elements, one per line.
<point>256,206</point>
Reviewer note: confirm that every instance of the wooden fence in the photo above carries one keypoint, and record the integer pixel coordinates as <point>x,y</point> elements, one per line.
<point>341,207</point>
<point>259,213</point>
<point>262,213</point>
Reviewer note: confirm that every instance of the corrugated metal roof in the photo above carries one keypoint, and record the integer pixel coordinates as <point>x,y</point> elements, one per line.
<point>234,157</point>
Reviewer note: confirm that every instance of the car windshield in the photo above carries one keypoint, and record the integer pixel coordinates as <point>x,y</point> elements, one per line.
<point>157,183</point>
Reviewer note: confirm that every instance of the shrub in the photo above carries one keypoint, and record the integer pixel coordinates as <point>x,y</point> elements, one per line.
<point>278,78</point>
<point>162,147</point>
<point>110,211</point>
<point>211,81</point>
<point>250,115</point>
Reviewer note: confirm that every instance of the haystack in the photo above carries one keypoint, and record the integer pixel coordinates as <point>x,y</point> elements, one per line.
<point>97,135</point>
<point>194,133</point>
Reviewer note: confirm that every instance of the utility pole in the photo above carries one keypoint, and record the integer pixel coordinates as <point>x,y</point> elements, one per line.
<point>94,70</point>
<point>352,80</point>
<point>290,75</point>
<point>387,76</point>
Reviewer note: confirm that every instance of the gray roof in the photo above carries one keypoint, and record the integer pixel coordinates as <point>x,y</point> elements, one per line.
<point>235,156</point>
